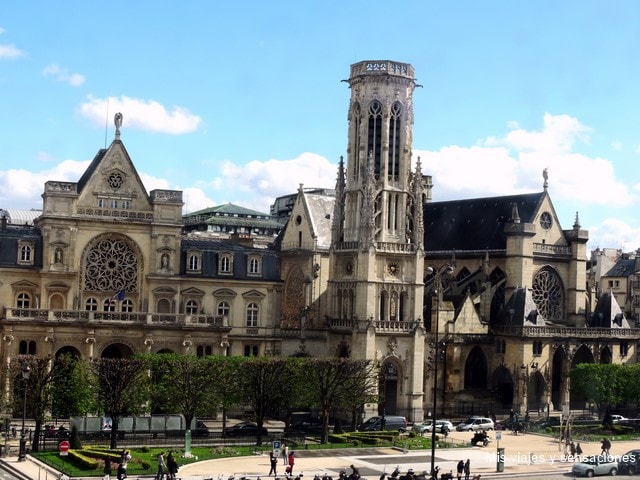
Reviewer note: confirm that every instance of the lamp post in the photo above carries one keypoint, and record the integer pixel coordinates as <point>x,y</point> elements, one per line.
<point>25,371</point>
<point>438,272</point>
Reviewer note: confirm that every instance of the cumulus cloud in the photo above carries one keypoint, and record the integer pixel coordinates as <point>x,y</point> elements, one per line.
<point>148,115</point>
<point>61,74</point>
<point>8,50</point>
<point>614,233</point>
<point>514,164</point>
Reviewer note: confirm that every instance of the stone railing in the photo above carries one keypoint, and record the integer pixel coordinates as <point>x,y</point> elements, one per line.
<point>396,247</point>
<point>381,326</point>
<point>168,319</point>
<point>572,333</point>
<point>545,248</point>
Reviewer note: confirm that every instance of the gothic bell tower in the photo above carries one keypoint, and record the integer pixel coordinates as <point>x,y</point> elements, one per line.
<point>378,229</point>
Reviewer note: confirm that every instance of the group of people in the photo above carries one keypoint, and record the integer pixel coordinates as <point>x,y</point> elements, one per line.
<point>463,468</point>
<point>288,458</point>
<point>168,467</point>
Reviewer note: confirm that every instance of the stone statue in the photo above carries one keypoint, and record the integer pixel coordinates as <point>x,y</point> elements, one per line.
<point>117,119</point>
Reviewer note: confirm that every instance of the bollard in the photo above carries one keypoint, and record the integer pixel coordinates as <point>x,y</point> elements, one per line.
<point>500,460</point>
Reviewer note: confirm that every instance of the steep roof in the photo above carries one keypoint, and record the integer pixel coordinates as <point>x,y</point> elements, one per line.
<point>320,208</point>
<point>477,223</point>
<point>608,313</point>
<point>624,267</point>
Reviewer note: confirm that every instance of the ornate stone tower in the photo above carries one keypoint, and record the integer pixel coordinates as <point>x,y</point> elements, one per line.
<point>377,232</point>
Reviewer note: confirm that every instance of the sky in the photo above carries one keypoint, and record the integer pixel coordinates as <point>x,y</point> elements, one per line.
<point>243,101</point>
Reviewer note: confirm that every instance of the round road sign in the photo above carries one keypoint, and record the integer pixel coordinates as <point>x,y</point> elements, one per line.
<point>64,446</point>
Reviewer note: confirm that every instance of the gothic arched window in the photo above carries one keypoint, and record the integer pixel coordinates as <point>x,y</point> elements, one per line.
<point>395,124</point>
<point>374,140</point>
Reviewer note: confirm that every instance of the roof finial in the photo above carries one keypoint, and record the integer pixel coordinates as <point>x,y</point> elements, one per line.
<point>117,119</point>
<point>545,176</point>
<point>576,224</point>
<point>515,215</point>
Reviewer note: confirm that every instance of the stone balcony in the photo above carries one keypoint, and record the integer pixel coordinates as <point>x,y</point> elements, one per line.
<point>130,318</point>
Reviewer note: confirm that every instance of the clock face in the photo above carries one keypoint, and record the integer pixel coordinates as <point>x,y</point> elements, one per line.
<point>392,268</point>
<point>348,268</point>
<point>546,221</point>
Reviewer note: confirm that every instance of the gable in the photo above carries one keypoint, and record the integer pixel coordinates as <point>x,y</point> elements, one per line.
<point>112,182</point>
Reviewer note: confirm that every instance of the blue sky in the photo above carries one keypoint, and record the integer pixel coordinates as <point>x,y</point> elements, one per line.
<point>242,101</point>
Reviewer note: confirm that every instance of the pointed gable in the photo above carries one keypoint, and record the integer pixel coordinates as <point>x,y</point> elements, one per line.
<point>608,313</point>
<point>309,224</point>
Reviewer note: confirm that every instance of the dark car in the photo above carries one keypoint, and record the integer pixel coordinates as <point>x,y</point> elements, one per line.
<point>629,462</point>
<point>245,429</point>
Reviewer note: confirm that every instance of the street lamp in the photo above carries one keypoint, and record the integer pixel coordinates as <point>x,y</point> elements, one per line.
<point>439,272</point>
<point>25,371</point>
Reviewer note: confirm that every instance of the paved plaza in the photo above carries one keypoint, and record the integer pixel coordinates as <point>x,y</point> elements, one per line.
<point>528,453</point>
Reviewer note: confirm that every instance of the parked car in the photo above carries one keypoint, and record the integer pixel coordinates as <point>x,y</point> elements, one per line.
<point>475,423</point>
<point>426,426</point>
<point>629,462</point>
<point>245,429</point>
<point>389,422</point>
<point>596,465</point>
<point>618,418</point>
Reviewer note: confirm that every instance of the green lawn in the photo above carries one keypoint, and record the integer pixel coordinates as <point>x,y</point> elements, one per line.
<point>143,460</point>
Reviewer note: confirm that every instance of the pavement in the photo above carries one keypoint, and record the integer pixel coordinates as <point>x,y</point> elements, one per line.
<point>523,454</point>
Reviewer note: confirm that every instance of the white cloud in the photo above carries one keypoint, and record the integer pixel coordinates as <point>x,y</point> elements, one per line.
<point>148,115</point>
<point>614,233</point>
<point>10,51</point>
<point>514,164</point>
<point>61,74</point>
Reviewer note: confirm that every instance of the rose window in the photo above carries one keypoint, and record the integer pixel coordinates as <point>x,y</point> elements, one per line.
<point>548,294</point>
<point>112,265</point>
<point>115,180</point>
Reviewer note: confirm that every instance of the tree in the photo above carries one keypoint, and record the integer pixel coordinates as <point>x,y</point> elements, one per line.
<point>122,385</point>
<point>185,383</point>
<point>602,383</point>
<point>72,395</point>
<point>227,385</point>
<point>361,389</point>
<point>266,386</point>
<point>36,389</point>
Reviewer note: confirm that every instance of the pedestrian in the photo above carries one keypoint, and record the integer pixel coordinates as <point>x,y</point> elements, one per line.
<point>467,469</point>
<point>172,466</point>
<point>125,456</point>
<point>578,451</point>
<point>162,466</point>
<point>285,454</point>
<point>606,446</point>
<point>460,469</point>
<point>273,460</point>
<point>292,461</point>
<point>107,469</point>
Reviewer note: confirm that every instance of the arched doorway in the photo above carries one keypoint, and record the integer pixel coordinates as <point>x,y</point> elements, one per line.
<point>535,392</point>
<point>117,350</point>
<point>502,388</point>
<point>388,388</point>
<point>582,355</point>
<point>475,370</point>
<point>559,359</point>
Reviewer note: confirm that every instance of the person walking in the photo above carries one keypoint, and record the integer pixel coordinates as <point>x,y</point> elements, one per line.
<point>578,451</point>
<point>292,461</point>
<point>460,469</point>
<point>606,446</point>
<point>467,469</point>
<point>172,466</point>
<point>273,460</point>
<point>125,456</point>
<point>285,454</point>
<point>162,466</point>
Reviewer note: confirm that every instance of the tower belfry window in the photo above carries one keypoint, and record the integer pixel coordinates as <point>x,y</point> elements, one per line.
<point>395,123</point>
<point>374,143</point>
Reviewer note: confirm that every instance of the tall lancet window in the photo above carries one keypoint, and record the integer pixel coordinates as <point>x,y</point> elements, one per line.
<point>375,134</point>
<point>393,169</point>
<point>357,120</point>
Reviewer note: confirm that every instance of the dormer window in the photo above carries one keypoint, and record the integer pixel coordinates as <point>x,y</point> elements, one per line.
<point>25,252</point>
<point>255,265</point>
<point>194,261</point>
<point>225,264</point>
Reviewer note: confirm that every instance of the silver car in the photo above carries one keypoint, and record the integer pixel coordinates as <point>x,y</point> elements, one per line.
<point>427,425</point>
<point>475,423</point>
<point>596,465</point>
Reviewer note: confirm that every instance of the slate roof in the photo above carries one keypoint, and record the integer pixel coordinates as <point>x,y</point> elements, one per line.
<point>229,209</point>
<point>477,223</point>
<point>624,267</point>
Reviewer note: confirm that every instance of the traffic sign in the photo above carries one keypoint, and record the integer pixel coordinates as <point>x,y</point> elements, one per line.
<point>64,447</point>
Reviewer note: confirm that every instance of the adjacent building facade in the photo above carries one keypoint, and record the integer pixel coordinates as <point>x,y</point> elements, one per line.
<point>475,305</point>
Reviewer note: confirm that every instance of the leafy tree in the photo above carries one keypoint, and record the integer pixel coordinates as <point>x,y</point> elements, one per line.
<point>122,386</point>
<point>266,386</point>
<point>602,383</point>
<point>330,381</point>
<point>35,390</point>
<point>185,383</point>
<point>227,386</point>
<point>72,394</point>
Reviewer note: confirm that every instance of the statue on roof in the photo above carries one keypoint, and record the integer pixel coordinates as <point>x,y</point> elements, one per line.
<point>545,176</point>
<point>117,120</point>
